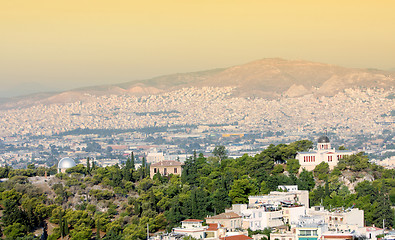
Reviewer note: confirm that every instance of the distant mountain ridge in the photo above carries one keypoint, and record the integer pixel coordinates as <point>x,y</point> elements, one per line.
<point>267,78</point>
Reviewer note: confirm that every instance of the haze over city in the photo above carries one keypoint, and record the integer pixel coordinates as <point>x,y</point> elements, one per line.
<point>59,45</point>
<point>187,120</point>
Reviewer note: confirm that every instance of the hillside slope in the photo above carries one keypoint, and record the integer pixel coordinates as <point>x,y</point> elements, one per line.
<point>267,78</point>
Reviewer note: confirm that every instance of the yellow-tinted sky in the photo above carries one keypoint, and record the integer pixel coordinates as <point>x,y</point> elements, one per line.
<point>64,44</point>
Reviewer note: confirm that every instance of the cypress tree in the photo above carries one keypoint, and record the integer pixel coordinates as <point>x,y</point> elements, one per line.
<point>88,166</point>
<point>93,164</point>
<point>66,227</point>
<point>143,168</point>
<point>44,236</point>
<point>126,170</point>
<point>98,229</point>
<point>61,226</point>
<point>132,161</point>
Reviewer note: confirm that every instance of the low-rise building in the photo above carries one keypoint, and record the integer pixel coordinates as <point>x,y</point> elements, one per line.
<point>370,232</point>
<point>191,227</point>
<point>165,168</point>
<point>236,237</point>
<point>339,219</point>
<point>229,220</point>
<point>261,218</point>
<point>337,236</point>
<point>309,228</point>
<point>291,214</point>
<point>278,198</point>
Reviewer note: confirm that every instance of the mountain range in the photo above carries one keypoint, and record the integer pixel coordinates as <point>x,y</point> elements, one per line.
<point>266,78</point>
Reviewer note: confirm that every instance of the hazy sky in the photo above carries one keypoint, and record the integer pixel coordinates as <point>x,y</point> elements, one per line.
<point>59,44</point>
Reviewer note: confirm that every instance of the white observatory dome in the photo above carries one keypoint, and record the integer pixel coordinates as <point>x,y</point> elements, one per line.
<point>66,163</point>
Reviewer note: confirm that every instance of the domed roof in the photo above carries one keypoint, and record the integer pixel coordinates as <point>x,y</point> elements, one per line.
<point>323,139</point>
<point>66,163</point>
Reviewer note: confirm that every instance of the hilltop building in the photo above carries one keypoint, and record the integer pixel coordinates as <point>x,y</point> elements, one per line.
<point>65,163</point>
<point>165,168</point>
<point>323,153</point>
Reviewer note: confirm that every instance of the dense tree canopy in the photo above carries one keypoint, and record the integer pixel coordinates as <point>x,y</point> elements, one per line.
<point>119,201</point>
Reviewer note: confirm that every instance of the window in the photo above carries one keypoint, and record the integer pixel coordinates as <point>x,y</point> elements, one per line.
<point>154,170</point>
<point>308,233</point>
<point>165,171</point>
<point>175,170</point>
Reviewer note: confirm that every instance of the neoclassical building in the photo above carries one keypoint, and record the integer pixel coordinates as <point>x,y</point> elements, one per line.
<point>323,153</point>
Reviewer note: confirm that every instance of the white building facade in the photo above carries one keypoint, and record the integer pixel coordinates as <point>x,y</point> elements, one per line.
<point>323,153</point>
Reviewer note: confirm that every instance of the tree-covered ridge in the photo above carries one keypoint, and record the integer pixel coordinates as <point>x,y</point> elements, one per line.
<point>118,202</point>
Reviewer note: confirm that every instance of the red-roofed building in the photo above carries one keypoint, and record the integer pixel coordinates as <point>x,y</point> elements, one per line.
<point>236,237</point>
<point>370,232</point>
<point>337,236</point>
<point>213,231</point>
<point>229,220</point>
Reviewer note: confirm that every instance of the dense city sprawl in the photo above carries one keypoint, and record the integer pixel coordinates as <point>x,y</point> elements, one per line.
<point>176,123</point>
<point>353,111</point>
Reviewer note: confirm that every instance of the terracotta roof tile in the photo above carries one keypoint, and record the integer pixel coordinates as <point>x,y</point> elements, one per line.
<point>212,227</point>
<point>236,237</point>
<point>192,220</point>
<point>227,215</point>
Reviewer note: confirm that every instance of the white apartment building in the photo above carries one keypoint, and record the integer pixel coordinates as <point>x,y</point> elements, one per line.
<point>260,218</point>
<point>340,220</point>
<point>278,198</point>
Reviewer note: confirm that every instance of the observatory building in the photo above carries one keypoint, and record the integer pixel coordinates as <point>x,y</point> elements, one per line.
<point>323,153</point>
<point>65,163</point>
